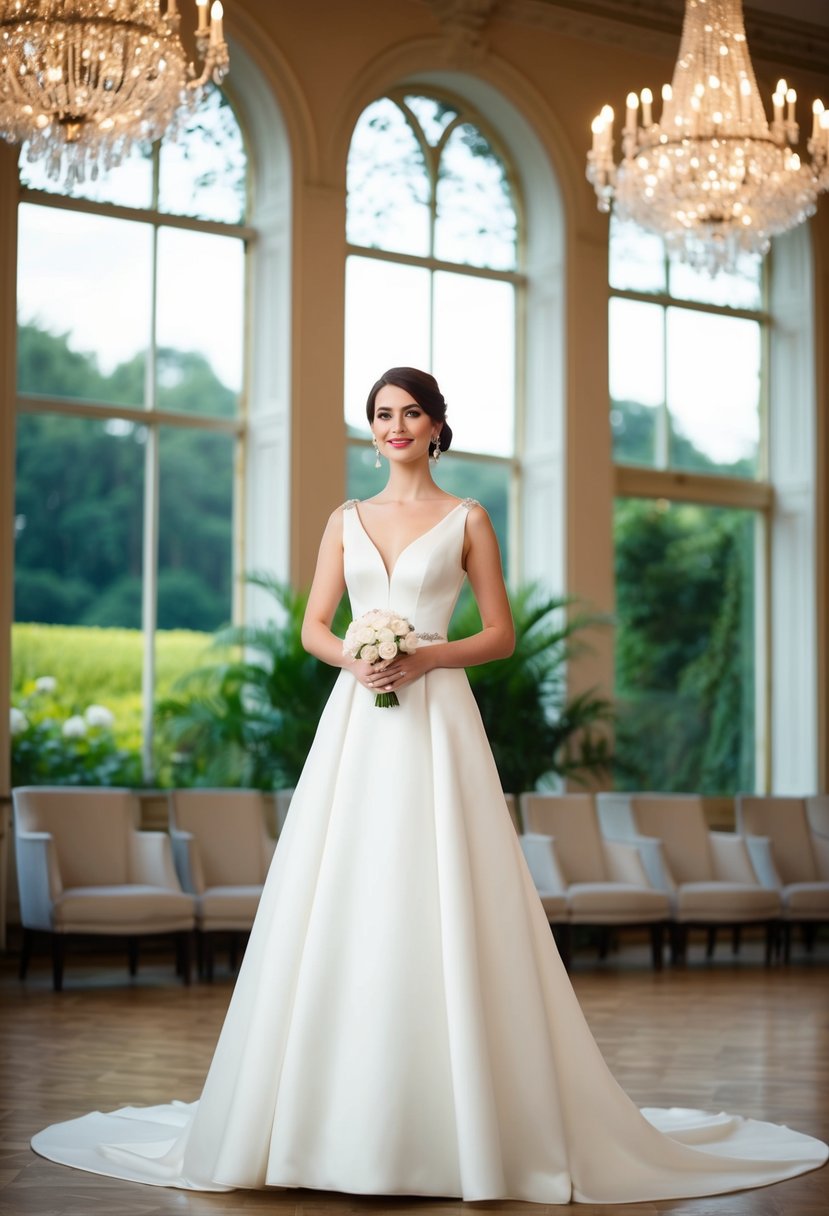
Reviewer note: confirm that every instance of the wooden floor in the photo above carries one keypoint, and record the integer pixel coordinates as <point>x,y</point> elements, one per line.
<point>729,1035</point>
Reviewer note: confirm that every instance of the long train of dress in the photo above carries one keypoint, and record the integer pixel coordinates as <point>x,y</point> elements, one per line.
<point>402,1023</point>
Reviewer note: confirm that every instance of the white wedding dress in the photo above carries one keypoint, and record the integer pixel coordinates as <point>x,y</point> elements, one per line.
<point>401,1022</point>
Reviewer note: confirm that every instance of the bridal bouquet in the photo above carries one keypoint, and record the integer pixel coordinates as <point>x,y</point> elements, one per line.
<point>378,637</point>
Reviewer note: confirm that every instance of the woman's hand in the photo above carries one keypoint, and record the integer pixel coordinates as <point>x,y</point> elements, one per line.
<point>395,674</point>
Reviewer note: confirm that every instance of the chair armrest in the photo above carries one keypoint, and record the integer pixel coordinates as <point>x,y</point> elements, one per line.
<point>151,860</point>
<point>762,859</point>
<point>821,847</point>
<point>187,861</point>
<point>540,855</point>
<point>38,878</point>
<point>624,863</point>
<point>654,862</point>
<point>731,859</point>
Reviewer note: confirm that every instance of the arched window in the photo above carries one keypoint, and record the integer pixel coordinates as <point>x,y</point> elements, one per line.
<point>131,384</point>
<point>432,280</point>
<point>688,389</point>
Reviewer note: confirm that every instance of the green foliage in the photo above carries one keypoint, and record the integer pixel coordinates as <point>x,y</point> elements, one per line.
<point>684,662</point>
<point>634,442</point>
<point>80,486</point>
<point>538,735</point>
<point>250,720</point>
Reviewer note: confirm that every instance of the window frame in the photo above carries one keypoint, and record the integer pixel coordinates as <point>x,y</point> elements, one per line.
<point>754,494</point>
<point>518,278</point>
<point>153,419</point>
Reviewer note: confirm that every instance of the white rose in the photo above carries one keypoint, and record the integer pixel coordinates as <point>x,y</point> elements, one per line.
<point>18,722</point>
<point>385,635</point>
<point>387,650</point>
<point>46,683</point>
<point>74,727</point>
<point>409,642</point>
<point>368,618</point>
<point>382,620</point>
<point>365,636</point>
<point>400,627</point>
<point>99,715</point>
<point>370,654</point>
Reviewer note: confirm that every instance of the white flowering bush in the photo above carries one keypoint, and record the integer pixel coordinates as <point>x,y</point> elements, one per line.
<point>56,743</point>
<point>378,637</point>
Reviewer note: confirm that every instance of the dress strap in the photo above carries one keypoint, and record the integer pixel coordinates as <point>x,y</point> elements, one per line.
<point>469,503</point>
<point>350,504</point>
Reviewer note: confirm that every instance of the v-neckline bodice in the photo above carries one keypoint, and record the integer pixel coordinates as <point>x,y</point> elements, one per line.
<point>390,573</point>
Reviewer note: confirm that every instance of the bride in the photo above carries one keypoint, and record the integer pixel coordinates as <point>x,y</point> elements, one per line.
<point>402,1023</point>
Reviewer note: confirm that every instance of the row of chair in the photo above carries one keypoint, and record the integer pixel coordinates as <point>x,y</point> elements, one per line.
<point>610,861</point>
<point>613,860</point>
<point>84,868</point>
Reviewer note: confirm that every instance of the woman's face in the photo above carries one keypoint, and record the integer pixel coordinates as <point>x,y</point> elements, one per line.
<point>403,430</point>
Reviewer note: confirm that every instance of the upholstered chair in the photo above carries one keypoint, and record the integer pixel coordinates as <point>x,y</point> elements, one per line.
<point>222,853</point>
<point>709,876</point>
<point>791,856</point>
<point>603,881</point>
<point>84,869</point>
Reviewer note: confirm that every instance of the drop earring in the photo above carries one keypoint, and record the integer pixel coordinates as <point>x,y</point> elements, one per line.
<point>436,449</point>
<point>376,452</point>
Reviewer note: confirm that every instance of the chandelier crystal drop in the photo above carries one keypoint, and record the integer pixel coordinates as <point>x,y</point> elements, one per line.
<point>712,176</point>
<point>82,81</point>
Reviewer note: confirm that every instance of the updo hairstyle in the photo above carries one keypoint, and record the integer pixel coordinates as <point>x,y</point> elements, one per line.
<point>424,389</point>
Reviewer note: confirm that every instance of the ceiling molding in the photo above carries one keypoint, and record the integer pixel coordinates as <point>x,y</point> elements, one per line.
<point>654,26</point>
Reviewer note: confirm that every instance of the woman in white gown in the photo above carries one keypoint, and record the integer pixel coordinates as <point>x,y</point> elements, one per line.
<point>401,1022</point>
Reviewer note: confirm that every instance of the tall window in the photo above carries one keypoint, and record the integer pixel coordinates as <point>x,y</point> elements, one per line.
<point>432,281</point>
<point>131,318</point>
<point>687,390</point>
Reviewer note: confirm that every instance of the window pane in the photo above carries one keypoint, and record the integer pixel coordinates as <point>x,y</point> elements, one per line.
<point>387,325</point>
<point>83,296</point>
<point>433,116</point>
<point>78,521</point>
<point>76,673</point>
<point>195,511</point>
<point>637,258</point>
<point>129,184</point>
<point>637,378</point>
<point>200,326</point>
<point>474,360</point>
<point>388,184</point>
<point>714,367</point>
<point>203,172</point>
<point>685,647</point>
<point>476,221</point>
<point>740,289</point>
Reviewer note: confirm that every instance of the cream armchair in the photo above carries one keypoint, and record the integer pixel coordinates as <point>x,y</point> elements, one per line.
<point>791,856</point>
<point>222,853</point>
<point>603,881</point>
<point>84,868</point>
<point>709,876</point>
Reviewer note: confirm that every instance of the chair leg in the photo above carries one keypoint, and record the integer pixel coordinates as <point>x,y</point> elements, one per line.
<point>132,955</point>
<point>604,943</point>
<point>234,951</point>
<point>711,941</point>
<point>26,952</point>
<point>563,937</point>
<point>770,936</point>
<point>183,957</point>
<point>809,936</point>
<point>657,938</point>
<point>200,954</point>
<point>787,941</point>
<point>58,955</point>
<point>208,957</point>
<point>736,936</point>
<point>679,943</point>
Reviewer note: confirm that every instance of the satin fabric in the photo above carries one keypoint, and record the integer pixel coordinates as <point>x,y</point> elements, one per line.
<point>402,1023</point>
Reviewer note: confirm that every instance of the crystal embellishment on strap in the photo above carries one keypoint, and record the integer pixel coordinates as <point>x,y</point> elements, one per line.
<point>469,503</point>
<point>430,637</point>
<point>350,504</point>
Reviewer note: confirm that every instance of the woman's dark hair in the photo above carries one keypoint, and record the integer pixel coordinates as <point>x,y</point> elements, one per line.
<point>424,389</point>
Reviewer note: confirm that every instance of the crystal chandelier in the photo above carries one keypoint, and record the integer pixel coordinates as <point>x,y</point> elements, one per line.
<point>82,81</point>
<point>712,177</point>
